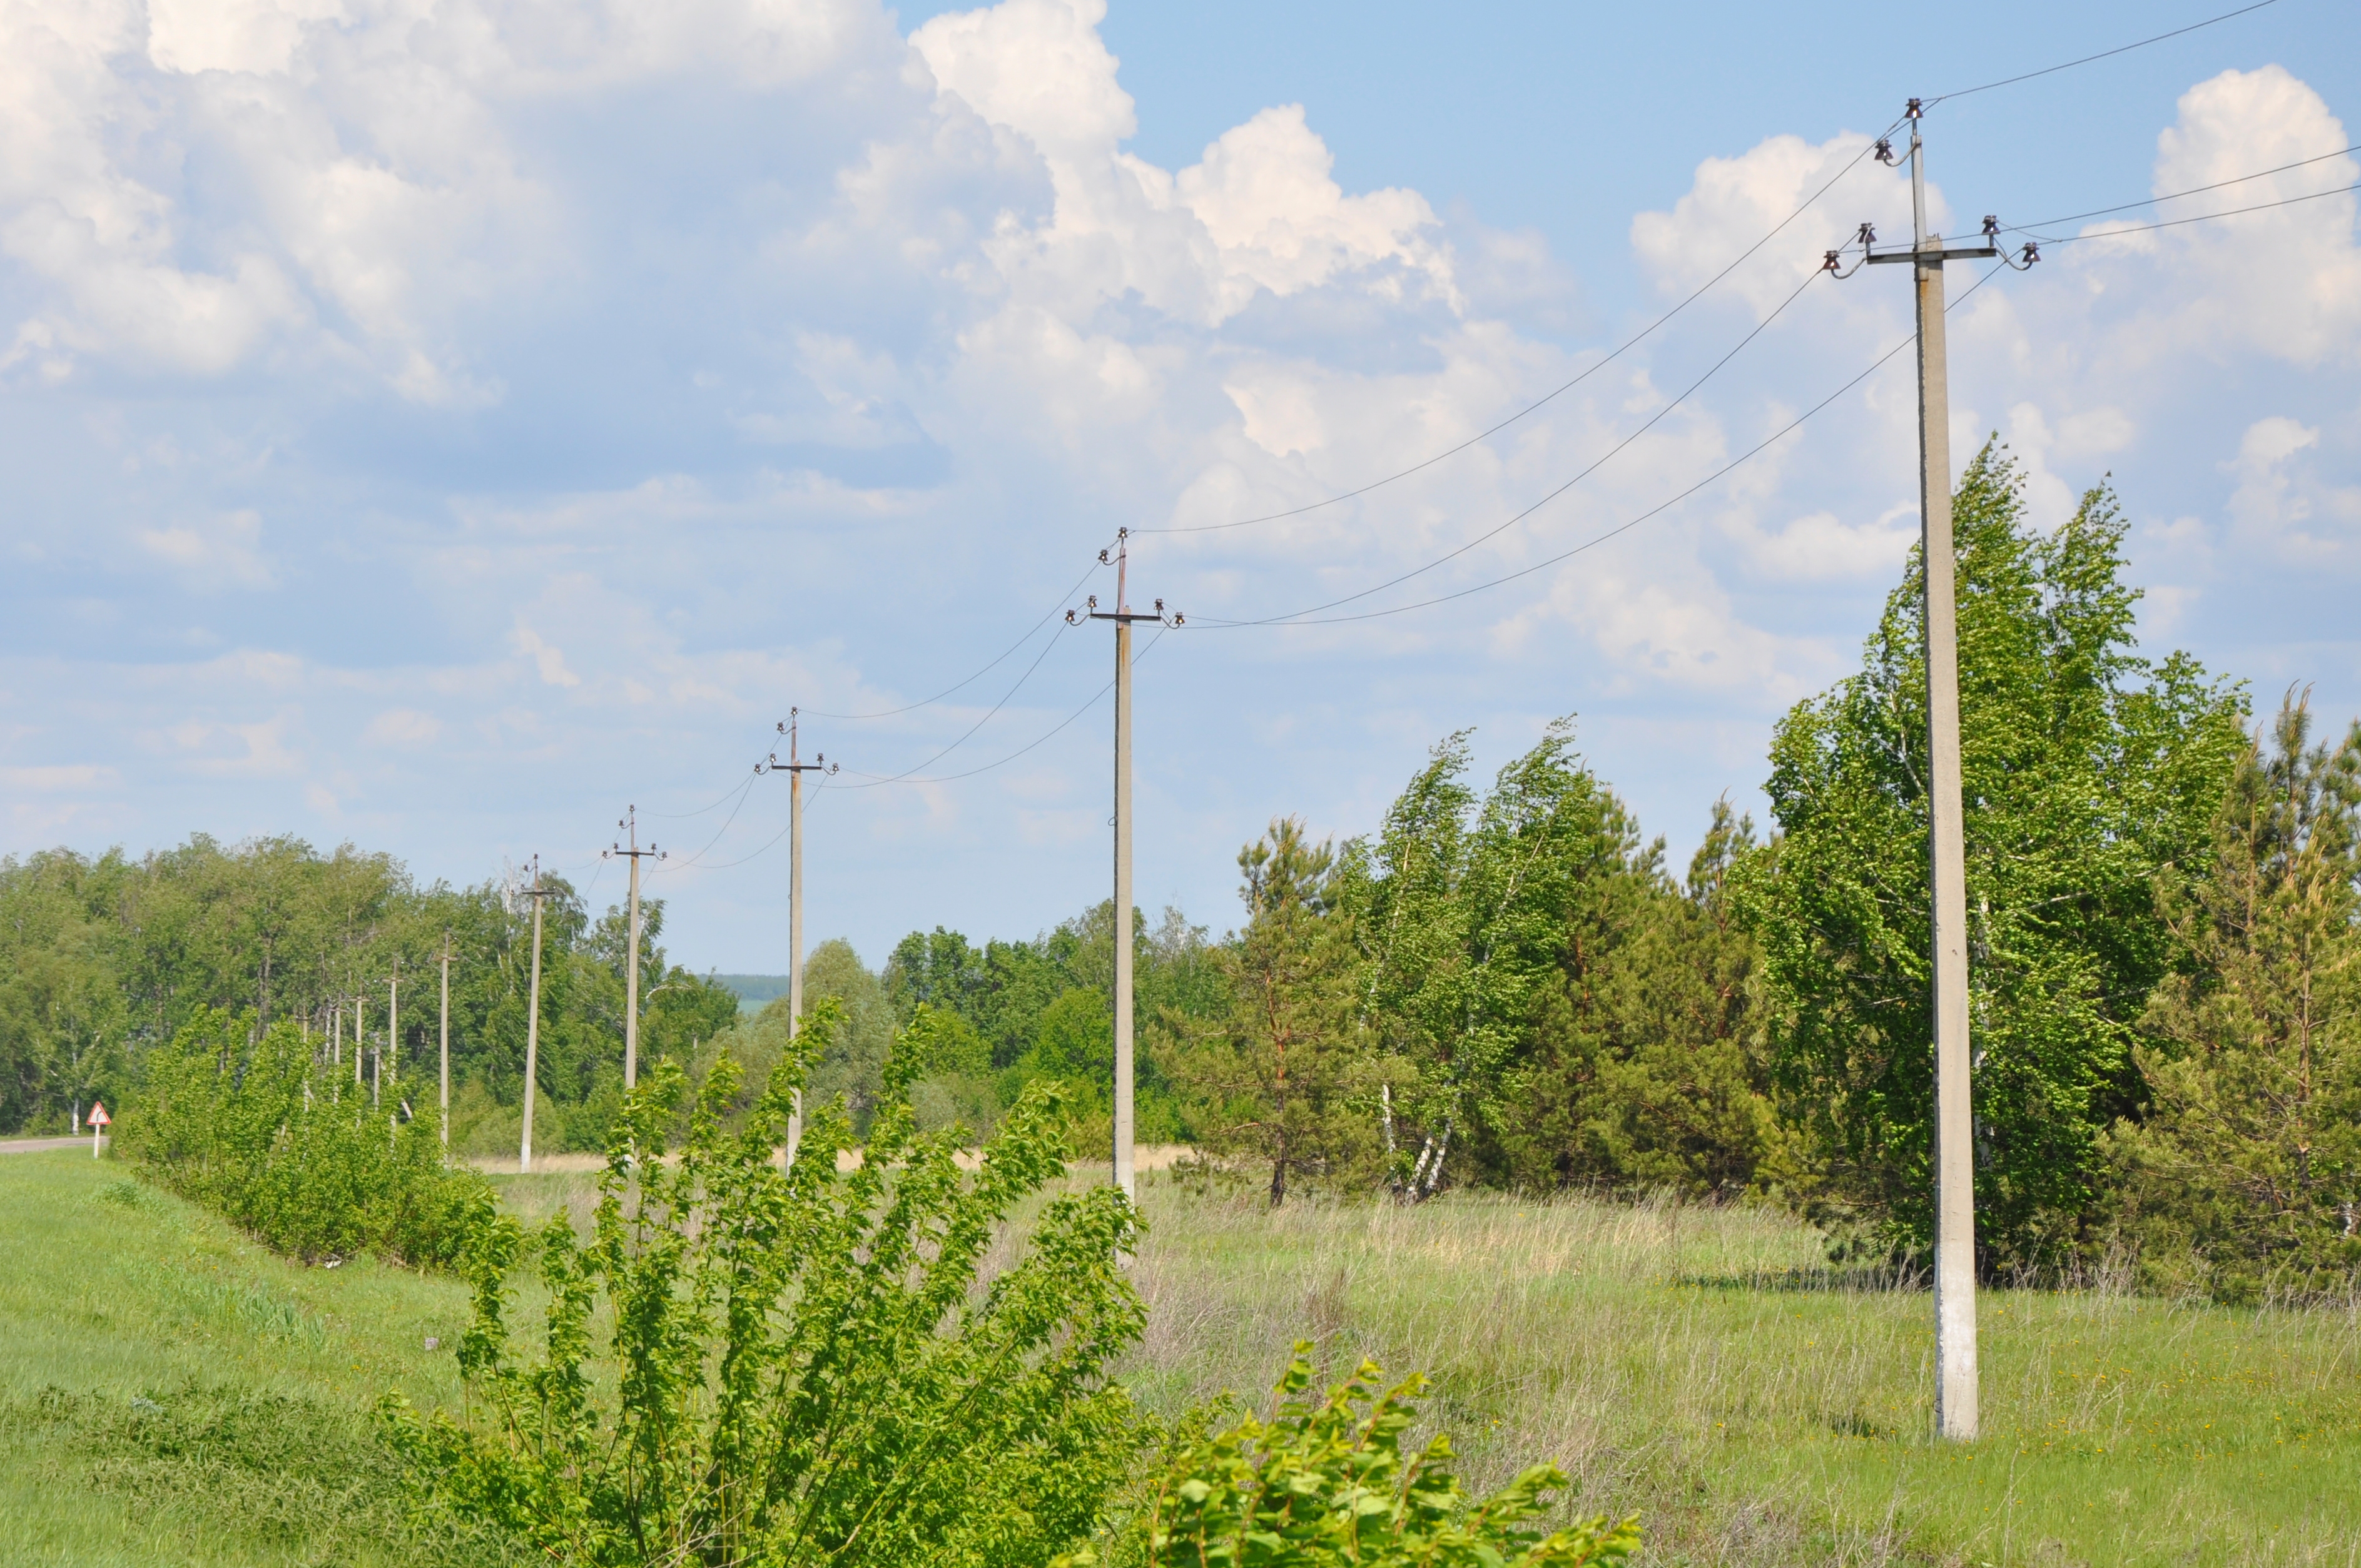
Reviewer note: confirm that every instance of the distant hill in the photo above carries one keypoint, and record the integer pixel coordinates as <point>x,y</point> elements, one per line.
<point>755,990</point>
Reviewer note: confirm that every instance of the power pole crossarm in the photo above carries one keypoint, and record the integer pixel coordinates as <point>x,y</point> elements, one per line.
<point>1123,616</point>
<point>795,767</point>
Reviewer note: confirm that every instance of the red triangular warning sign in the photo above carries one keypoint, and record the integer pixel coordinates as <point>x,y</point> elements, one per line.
<point>98,1116</point>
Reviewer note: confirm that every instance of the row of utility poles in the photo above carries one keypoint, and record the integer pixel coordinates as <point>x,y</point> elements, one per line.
<point>384,1065</point>
<point>1955,1305</point>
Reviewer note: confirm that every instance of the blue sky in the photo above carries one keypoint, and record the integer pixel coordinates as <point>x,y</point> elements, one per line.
<point>437,425</point>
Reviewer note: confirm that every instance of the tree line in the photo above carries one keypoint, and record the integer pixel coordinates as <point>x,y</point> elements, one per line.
<point>1505,983</point>
<point>108,957</point>
<point>1508,984</point>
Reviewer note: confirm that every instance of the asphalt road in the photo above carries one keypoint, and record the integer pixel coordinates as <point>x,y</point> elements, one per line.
<point>31,1146</point>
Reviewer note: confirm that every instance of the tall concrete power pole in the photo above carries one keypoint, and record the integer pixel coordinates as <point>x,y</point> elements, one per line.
<point>538,893</point>
<point>795,767</point>
<point>1955,1173</point>
<point>393,1023</point>
<point>1123,616</point>
<point>630,823</point>
<point>445,1100</point>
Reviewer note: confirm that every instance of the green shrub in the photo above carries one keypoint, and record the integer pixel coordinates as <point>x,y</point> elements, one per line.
<point>806,1364</point>
<point>294,1151</point>
<point>1324,1484</point>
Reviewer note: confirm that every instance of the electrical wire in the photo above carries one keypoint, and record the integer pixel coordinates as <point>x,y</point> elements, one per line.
<point>1598,463</point>
<point>1138,660</point>
<point>2199,218</point>
<point>1630,343</point>
<point>682,865</point>
<point>773,842</point>
<point>685,815</point>
<point>2103,54</point>
<point>876,780</point>
<point>2173,196</point>
<point>1063,600</point>
<point>1092,701</point>
<point>1747,456</point>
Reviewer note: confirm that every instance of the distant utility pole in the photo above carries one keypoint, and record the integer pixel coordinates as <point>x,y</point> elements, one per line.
<point>532,1022</point>
<point>359,1051</point>
<point>336,1035</point>
<point>447,1042</point>
<point>794,768</point>
<point>631,825</point>
<point>1123,616</point>
<point>393,1023</point>
<point>1955,1178</point>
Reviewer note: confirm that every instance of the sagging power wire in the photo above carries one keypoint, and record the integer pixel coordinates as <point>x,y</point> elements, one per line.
<point>2103,54</point>
<point>1593,542</point>
<point>2177,195</point>
<point>1594,465</point>
<point>2199,218</point>
<point>1063,601</point>
<point>1627,344</point>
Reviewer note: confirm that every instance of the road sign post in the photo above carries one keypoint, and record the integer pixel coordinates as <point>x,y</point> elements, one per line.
<point>98,1124</point>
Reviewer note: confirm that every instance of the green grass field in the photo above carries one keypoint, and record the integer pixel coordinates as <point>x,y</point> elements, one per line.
<point>171,1394</point>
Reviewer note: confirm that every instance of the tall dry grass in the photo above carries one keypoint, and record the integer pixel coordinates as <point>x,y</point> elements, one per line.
<point>1703,1367</point>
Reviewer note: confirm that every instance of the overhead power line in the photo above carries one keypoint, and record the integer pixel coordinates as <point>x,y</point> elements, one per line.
<point>2103,54</point>
<point>2199,218</point>
<point>1623,527</point>
<point>2177,195</point>
<point>1594,465</point>
<point>1538,403</point>
<point>1090,703</point>
<point>1063,601</point>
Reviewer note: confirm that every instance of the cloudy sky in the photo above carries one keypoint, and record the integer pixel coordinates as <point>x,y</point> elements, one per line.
<point>437,423</point>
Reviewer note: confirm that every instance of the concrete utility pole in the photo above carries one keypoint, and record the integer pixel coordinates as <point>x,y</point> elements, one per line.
<point>794,768</point>
<point>630,823</point>
<point>393,1023</point>
<point>1123,616</point>
<point>447,1042</point>
<point>359,1036</point>
<point>1955,1179</point>
<point>532,1022</point>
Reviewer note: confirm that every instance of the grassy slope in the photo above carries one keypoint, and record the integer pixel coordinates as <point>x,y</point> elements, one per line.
<point>170,1393</point>
<point>1668,1361</point>
<point>1663,1356</point>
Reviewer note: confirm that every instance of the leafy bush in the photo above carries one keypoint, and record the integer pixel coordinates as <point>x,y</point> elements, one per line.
<point>1325,1483</point>
<point>807,1366</point>
<point>294,1151</point>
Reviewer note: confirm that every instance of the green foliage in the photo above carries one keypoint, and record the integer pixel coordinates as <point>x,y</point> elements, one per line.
<point>1042,1009</point>
<point>1325,1484</point>
<point>2244,1175</point>
<point>108,957</point>
<point>808,1365</point>
<point>1284,1080</point>
<point>2086,769</point>
<point>250,1123</point>
<point>1647,1068</point>
<point>1463,910</point>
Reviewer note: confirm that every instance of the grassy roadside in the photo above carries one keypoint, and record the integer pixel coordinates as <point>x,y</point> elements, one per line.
<point>170,1393</point>
<point>1699,1367</point>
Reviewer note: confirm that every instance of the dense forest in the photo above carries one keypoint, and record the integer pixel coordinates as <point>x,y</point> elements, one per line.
<point>1507,983</point>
